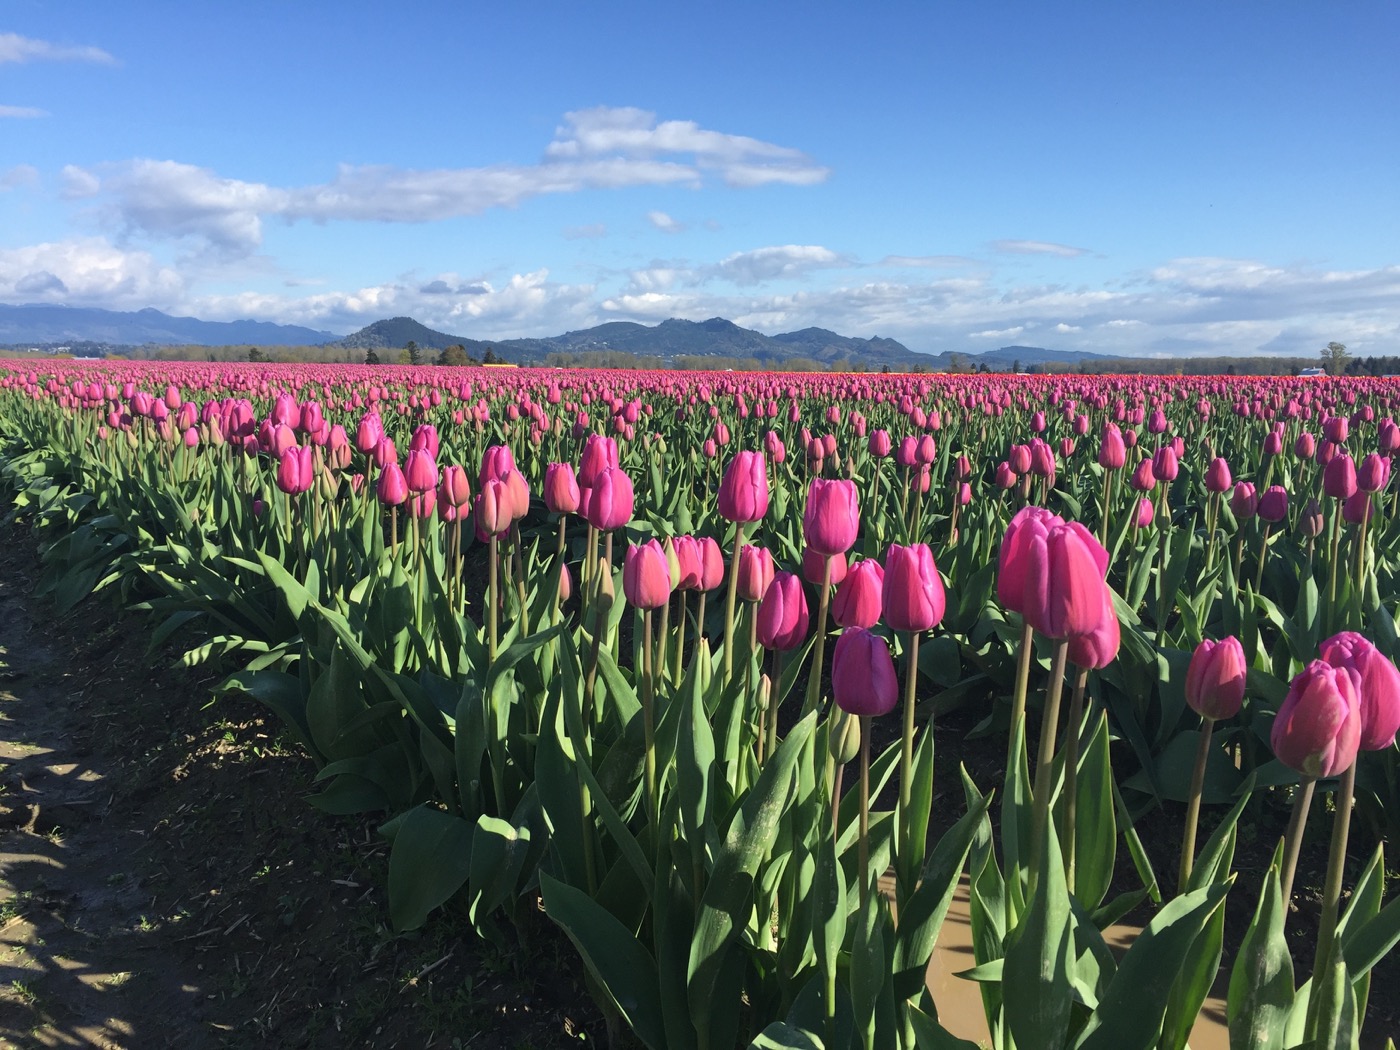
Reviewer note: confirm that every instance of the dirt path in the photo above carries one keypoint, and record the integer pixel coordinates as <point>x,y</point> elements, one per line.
<point>164,883</point>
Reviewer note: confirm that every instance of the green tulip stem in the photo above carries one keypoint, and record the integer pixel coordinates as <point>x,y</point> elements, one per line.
<point>492,599</point>
<point>906,755</point>
<point>1332,891</point>
<point>1103,519</point>
<point>559,553</point>
<point>1193,806</point>
<point>590,567</point>
<point>729,602</point>
<point>663,646</point>
<point>904,506</point>
<point>649,728</point>
<point>864,853</point>
<point>837,777</point>
<point>1293,837</point>
<point>776,681</point>
<point>1263,553</point>
<point>1361,543</point>
<point>1333,544</point>
<point>1076,716</point>
<point>1044,763</point>
<point>814,679</point>
<point>678,659</point>
<point>1018,698</point>
<point>1212,518</point>
<point>875,497</point>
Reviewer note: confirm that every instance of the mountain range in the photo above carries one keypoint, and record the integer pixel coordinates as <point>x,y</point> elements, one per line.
<point>43,325</point>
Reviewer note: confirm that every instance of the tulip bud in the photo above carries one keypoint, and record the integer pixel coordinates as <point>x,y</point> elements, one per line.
<point>859,599</point>
<point>1244,501</point>
<point>1273,505</point>
<point>1143,479</point>
<point>1112,452</point>
<point>1215,679</point>
<point>912,593</point>
<point>1145,511</point>
<point>1013,557</point>
<point>561,491</point>
<point>1311,521</point>
<point>863,679</point>
<point>492,509</point>
<point>1373,473</point>
<point>782,615</point>
<point>842,735</point>
<point>610,500</point>
<point>756,573</point>
<point>646,576</point>
<point>743,494</point>
<point>711,564</point>
<point>392,488</point>
<point>1339,477</point>
<point>1318,727</point>
<point>456,488</point>
<point>1218,475</point>
<point>832,516</point>
<point>1064,582</point>
<point>814,567</point>
<point>1164,463</point>
<point>1378,684</point>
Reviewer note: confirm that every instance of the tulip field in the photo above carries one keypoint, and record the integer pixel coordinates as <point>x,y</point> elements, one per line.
<point>670,657</point>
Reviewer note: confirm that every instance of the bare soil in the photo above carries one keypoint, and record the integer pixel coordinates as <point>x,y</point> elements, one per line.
<point>164,883</point>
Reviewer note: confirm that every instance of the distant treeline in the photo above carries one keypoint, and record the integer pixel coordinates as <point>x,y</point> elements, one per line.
<point>455,355</point>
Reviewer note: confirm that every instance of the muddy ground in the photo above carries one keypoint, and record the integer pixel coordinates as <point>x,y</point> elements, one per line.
<point>164,883</point>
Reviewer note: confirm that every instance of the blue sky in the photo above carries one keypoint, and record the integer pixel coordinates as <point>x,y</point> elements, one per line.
<point>1144,178</point>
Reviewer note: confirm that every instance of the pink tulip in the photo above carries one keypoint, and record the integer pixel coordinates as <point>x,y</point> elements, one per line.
<point>610,500</point>
<point>859,598</point>
<point>1378,687</point>
<point>863,680</point>
<point>646,576</point>
<point>913,597</point>
<point>1318,729</point>
<point>782,615</point>
<point>743,494</point>
<point>1215,679</point>
<point>756,573</point>
<point>832,516</point>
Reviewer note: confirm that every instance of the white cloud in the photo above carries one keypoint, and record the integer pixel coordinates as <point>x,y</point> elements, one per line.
<point>998,333</point>
<point>929,262</point>
<point>767,264</point>
<point>1062,328</point>
<point>528,303</point>
<point>22,112</point>
<point>1038,248</point>
<point>635,133</point>
<point>89,272</point>
<point>664,222</point>
<point>19,175</point>
<point>78,183</point>
<point>16,48</point>
<point>589,231</point>
<point>599,149</point>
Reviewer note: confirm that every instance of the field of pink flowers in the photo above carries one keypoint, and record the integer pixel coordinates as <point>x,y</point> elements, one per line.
<point>618,645</point>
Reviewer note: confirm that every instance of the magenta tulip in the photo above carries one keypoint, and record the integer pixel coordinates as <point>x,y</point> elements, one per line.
<point>782,615</point>
<point>913,596</point>
<point>1215,679</point>
<point>832,516</point>
<point>1318,728</point>
<point>863,680</point>
<point>743,494</point>
<point>1378,687</point>
<point>646,576</point>
<point>859,599</point>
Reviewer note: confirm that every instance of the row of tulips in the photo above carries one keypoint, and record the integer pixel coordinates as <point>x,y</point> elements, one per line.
<point>699,849</point>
